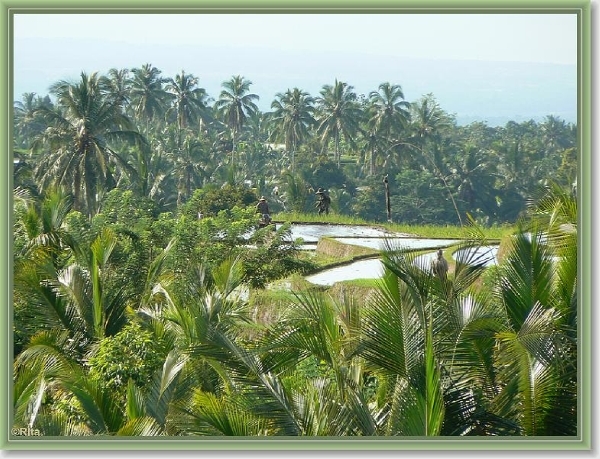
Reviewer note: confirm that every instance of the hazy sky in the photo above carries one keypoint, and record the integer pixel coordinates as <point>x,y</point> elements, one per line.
<point>281,51</point>
<point>547,38</point>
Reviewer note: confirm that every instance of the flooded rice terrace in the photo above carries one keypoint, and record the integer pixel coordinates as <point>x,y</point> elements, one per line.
<point>313,232</point>
<point>375,238</point>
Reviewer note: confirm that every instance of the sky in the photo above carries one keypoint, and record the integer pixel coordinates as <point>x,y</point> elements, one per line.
<point>549,38</point>
<point>280,51</point>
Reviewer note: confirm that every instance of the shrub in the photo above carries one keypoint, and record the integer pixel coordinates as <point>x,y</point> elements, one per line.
<point>132,354</point>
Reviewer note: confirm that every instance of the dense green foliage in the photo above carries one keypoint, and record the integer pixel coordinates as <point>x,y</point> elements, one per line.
<point>139,293</point>
<point>161,138</point>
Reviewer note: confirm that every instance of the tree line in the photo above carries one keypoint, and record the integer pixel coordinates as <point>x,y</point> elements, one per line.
<point>163,138</point>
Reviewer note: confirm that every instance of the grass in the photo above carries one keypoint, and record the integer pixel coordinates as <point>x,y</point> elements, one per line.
<point>332,218</point>
<point>362,283</point>
<point>495,232</point>
<point>452,232</point>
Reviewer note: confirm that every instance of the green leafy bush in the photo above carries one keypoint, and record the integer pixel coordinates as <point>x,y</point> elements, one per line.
<point>132,354</point>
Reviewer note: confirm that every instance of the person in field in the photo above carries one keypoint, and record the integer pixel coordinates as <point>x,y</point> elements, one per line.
<point>263,209</point>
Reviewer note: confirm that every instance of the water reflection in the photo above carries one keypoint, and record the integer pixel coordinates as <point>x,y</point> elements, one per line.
<point>363,269</point>
<point>486,255</point>
<point>313,232</point>
<point>375,238</point>
<point>373,268</point>
<point>400,242</point>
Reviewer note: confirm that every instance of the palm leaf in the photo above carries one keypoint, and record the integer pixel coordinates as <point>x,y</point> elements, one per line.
<point>102,409</point>
<point>163,388</point>
<point>141,427</point>
<point>135,407</point>
<point>58,424</point>
<point>527,277</point>
<point>211,415</point>
<point>433,391</point>
<point>392,329</point>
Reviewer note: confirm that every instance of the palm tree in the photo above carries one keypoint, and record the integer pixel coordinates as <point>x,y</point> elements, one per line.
<point>43,244</point>
<point>475,175</point>
<point>295,193</point>
<point>373,142</point>
<point>235,105</point>
<point>80,132</point>
<point>27,122</point>
<point>188,167</point>
<point>293,116</point>
<point>189,101</point>
<point>428,121</point>
<point>388,114</point>
<point>118,84</point>
<point>391,110</point>
<point>148,97</point>
<point>41,223</point>
<point>453,360</point>
<point>199,322</point>
<point>63,306</point>
<point>536,357</point>
<point>82,405</point>
<point>556,135</point>
<point>338,115</point>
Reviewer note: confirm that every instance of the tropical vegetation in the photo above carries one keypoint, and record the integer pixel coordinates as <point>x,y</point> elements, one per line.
<point>142,288</point>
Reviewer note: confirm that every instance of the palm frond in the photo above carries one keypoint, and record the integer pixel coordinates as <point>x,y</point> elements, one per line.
<point>102,409</point>
<point>141,427</point>
<point>527,277</point>
<point>393,335</point>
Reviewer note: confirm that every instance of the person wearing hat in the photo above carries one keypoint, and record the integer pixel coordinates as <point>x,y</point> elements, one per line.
<point>263,209</point>
<point>323,201</point>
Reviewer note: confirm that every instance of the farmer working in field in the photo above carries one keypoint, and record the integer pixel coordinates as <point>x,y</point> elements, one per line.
<point>263,209</point>
<point>323,201</point>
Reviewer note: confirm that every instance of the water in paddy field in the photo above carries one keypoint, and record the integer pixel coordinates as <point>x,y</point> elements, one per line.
<point>364,269</point>
<point>313,232</point>
<point>363,236</point>
<point>398,242</point>
<point>376,238</point>
<point>373,268</point>
<point>486,255</point>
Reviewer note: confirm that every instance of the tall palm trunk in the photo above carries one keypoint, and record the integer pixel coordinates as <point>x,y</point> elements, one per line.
<point>337,147</point>
<point>372,165</point>
<point>293,155</point>
<point>233,145</point>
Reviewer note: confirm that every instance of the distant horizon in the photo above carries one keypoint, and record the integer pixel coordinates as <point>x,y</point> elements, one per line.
<point>488,73</point>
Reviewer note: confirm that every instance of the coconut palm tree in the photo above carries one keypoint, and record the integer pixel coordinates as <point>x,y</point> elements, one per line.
<point>556,134</point>
<point>82,405</point>
<point>338,115</point>
<point>189,100</point>
<point>149,100</point>
<point>292,118</point>
<point>81,131</point>
<point>474,172</point>
<point>27,122</point>
<point>387,115</point>
<point>189,167</point>
<point>235,105</point>
<point>391,110</point>
<point>43,245</point>
<point>40,223</point>
<point>428,121</point>
<point>118,84</point>
<point>536,359</point>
